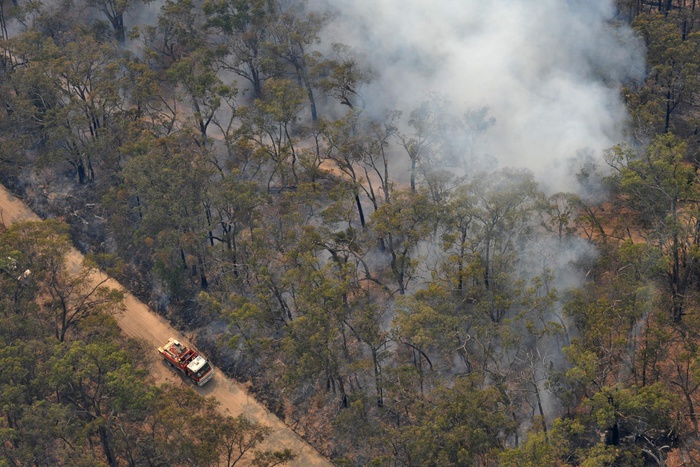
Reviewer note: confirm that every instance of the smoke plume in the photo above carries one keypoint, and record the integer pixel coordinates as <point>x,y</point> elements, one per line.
<point>550,72</point>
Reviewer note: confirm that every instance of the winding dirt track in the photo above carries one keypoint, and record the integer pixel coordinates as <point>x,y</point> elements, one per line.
<point>139,322</point>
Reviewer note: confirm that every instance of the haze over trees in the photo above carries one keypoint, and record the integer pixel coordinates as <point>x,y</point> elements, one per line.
<point>395,281</point>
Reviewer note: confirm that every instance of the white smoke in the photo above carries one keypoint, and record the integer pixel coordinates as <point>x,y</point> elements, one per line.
<point>549,71</point>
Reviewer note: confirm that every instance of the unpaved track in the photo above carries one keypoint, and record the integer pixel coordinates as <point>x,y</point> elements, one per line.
<point>139,322</point>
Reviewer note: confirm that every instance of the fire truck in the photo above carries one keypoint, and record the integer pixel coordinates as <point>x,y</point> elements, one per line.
<point>187,361</point>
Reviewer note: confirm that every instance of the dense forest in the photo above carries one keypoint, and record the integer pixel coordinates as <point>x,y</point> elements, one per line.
<point>502,269</point>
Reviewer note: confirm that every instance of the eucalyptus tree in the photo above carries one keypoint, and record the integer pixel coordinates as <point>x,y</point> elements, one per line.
<point>359,148</point>
<point>75,86</point>
<point>482,289</point>
<point>272,127</point>
<point>491,218</point>
<point>5,17</point>
<point>243,29</point>
<point>201,88</point>
<point>459,425</point>
<point>662,190</point>
<point>427,122</point>
<point>440,138</point>
<point>341,75</point>
<point>559,215</point>
<point>181,45</point>
<point>402,225</point>
<point>165,188</point>
<point>318,349</point>
<point>98,381</point>
<point>179,33</point>
<point>66,297</point>
<point>666,100</point>
<point>237,205</point>
<point>115,10</point>
<point>338,147</point>
<point>291,38</point>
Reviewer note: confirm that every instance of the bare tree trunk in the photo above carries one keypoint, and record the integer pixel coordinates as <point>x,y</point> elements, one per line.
<point>359,209</point>
<point>378,379</point>
<point>106,447</point>
<point>540,409</point>
<point>413,174</point>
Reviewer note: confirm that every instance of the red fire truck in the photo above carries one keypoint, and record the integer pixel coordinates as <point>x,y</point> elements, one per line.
<point>187,361</point>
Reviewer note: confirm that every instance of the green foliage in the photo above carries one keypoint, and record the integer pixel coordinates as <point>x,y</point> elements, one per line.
<point>662,190</point>
<point>672,82</point>
<point>605,317</point>
<point>402,224</point>
<point>540,448</point>
<point>165,186</point>
<point>461,425</point>
<point>342,76</point>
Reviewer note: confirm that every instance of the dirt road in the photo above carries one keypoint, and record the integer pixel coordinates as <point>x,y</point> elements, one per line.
<point>139,322</point>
